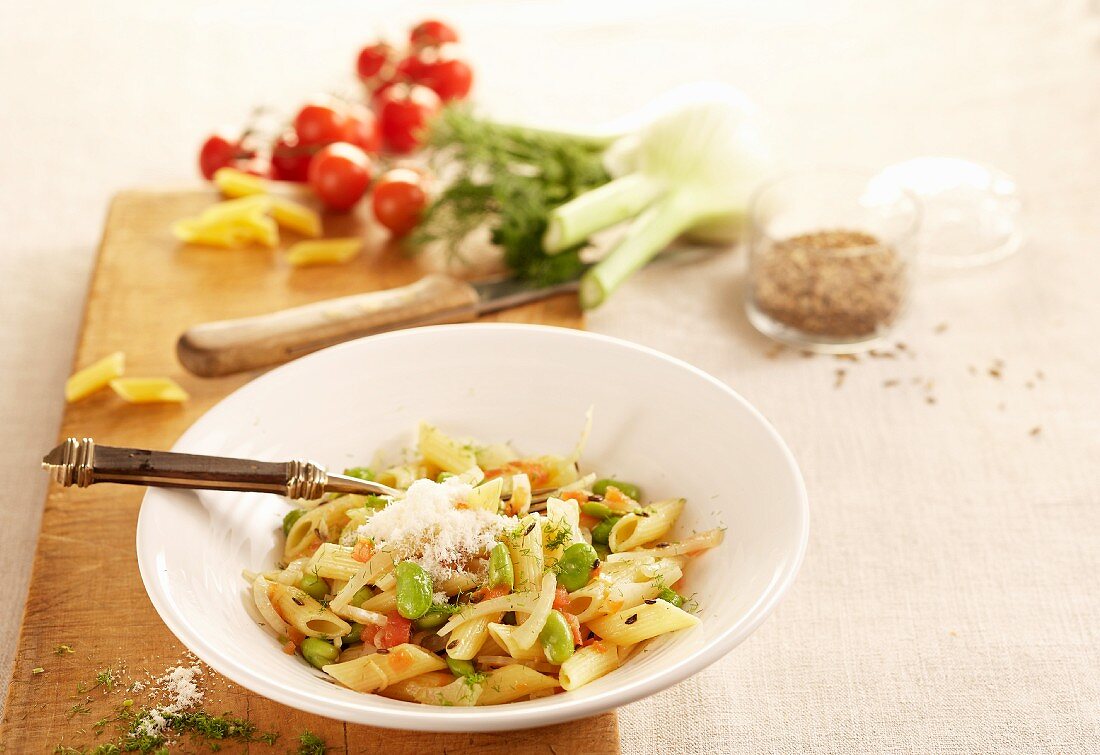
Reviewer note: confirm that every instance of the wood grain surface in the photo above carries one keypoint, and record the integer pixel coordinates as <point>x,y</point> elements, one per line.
<point>85,590</point>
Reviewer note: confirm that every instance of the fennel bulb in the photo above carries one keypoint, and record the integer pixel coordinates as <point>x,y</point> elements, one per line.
<point>692,168</point>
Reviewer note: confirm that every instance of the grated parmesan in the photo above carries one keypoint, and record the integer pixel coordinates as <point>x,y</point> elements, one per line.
<point>181,689</point>
<point>426,527</point>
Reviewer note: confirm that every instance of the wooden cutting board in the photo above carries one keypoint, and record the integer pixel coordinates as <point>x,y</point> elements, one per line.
<point>85,590</point>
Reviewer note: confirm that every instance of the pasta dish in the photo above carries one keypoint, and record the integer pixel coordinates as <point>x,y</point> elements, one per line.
<point>494,578</point>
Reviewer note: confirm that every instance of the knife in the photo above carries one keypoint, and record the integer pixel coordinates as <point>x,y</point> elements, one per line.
<point>230,346</point>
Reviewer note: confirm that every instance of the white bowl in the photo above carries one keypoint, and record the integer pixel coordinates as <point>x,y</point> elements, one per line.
<point>658,421</point>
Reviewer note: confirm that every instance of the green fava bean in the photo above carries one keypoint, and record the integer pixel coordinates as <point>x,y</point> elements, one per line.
<point>361,473</point>
<point>557,639</point>
<point>355,635</point>
<point>602,531</point>
<point>361,596</point>
<point>290,518</point>
<point>671,596</point>
<point>414,590</point>
<point>319,653</point>
<point>576,565</point>
<point>460,668</point>
<point>501,573</point>
<point>602,551</point>
<point>313,586</point>
<point>433,619</point>
<point>629,489</point>
<point>596,509</point>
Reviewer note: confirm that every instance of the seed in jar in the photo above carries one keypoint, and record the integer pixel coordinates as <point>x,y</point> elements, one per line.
<point>834,283</point>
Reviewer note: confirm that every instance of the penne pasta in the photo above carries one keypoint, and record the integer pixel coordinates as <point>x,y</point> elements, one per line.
<point>699,542</point>
<point>645,525</point>
<point>505,637</point>
<point>503,685</point>
<point>469,636</point>
<point>305,614</point>
<point>642,622</point>
<point>525,547</point>
<point>446,453</point>
<point>587,664</point>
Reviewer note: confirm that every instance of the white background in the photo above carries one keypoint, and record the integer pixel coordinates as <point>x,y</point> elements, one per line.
<point>948,601</point>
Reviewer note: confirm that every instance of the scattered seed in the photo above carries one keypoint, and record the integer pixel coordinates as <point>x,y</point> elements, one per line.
<point>1035,431</point>
<point>941,328</point>
<point>847,357</point>
<point>840,373</point>
<point>631,619</point>
<point>994,372</point>
<point>890,383</point>
<point>930,399</point>
<point>1030,384</point>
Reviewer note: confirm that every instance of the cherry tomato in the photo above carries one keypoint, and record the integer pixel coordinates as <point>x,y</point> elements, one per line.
<point>395,632</point>
<point>321,122</point>
<point>405,113</point>
<point>290,159</point>
<point>432,33</point>
<point>399,200</point>
<point>378,95</point>
<point>220,151</point>
<point>374,61</point>
<point>362,130</point>
<point>448,77</point>
<point>340,173</point>
<point>411,68</point>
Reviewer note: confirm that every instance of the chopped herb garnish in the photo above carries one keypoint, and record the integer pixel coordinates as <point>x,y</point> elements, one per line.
<point>63,650</point>
<point>38,670</point>
<point>361,473</point>
<point>311,744</point>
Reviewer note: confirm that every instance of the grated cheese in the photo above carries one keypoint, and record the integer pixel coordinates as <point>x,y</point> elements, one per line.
<point>181,689</point>
<point>426,527</point>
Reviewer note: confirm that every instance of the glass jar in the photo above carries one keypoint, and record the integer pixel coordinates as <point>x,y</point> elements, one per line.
<point>831,253</point>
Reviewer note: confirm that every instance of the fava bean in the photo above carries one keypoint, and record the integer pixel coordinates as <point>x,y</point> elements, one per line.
<point>355,635</point>
<point>361,596</point>
<point>501,573</point>
<point>319,653</point>
<point>290,518</point>
<point>596,509</point>
<point>602,551</point>
<point>576,565</point>
<point>313,586</point>
<point>671,596</point>
<point>557,639</point>
<point>461,668</point>
<point>414,590</point>
<point>376,502</point>
<point>602,531</point>
<point>362,473</point>
<point>433,619</point>
<point>629,489</point>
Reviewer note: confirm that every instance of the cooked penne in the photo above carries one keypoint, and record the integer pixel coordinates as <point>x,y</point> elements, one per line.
<point>468,637</point>
<point>486,496</point>
<point>587,664</point>
<point>503,685</point>
<point>645,525</point>
<point>525,547</point>
<point>446,453</point>
<point>505,637</point>
<point>642,622</point>
<point>305,614</point>
<point>414,690</point>
<point>699,542</point>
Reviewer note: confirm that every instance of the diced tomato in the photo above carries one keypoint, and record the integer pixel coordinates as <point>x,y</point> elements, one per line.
<point>362,551</point>
<point>561,599</point>
<point>589,521</point>
<point>289,648</point>
<point>534,470</point>
<point>574,495</point>
<point>400,660</point>
<point>296,637</point>
<point>488,593</point>
<point>575,625</point>
<point>395,632</point>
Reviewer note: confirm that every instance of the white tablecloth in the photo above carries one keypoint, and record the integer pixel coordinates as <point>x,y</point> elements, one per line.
<point>949,597</point>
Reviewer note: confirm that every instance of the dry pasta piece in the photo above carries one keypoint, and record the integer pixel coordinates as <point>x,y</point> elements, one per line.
<point>95,376</point>
<point>149,390</point>
<point>324,252</point>
<point>296,217</point>
<point>237,183</point>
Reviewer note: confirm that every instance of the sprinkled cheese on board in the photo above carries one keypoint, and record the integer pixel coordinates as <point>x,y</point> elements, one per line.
<point>428,528</point>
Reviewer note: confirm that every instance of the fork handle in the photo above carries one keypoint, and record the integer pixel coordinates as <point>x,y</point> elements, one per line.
<point>82,463</point>
<point>229,346</point>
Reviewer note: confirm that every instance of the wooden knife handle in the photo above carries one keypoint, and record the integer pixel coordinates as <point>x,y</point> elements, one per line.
<point>229,346</point>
